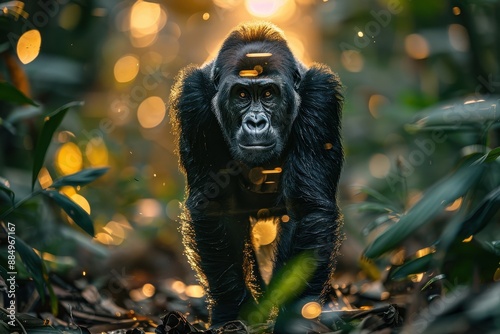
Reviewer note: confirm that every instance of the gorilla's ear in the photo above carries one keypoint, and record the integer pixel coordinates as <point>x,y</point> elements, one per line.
<point>216,76</point>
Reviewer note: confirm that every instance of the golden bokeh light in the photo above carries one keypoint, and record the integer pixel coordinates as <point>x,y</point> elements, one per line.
<point>144,17</point>
<point>379,165</point>
<point>146,20</point>
<point>126,68</point>
<point>375,103</point>
<point>416,46</point>
<point>44,178</point>
<point>456,11</point>
<point>352,60</point>
<point>147,209</point>
<point>148,290</point>
<point>97,152</point>
<point>264,231</point>
<point>194,291</point>
<point>151,112</point>
<point>81,201</point>
<point>104,238</point>
<point>28,46</point>
<point>206,16</point>
<point>68,191</point>
<point>311,310</point>
<point>70,16</point>
<point>68,159</point>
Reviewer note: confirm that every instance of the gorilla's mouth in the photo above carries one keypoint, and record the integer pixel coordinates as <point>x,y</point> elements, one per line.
<point>258,146</point>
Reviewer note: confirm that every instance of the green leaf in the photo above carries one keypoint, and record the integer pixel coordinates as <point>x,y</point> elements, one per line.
<point>377,195</point>
<point>434,200</point>
<point>79,216</point>
<point>22,113</point>
<point>493,155</point>
<point>5,188</point>
<point>457,115</point>
<point>482,214</point>
<point>10,93</point>
<point>415,266</point>
<point>374,207</point>
<point>80,178</point>
<point>33,264</point>
<point>52,122</point>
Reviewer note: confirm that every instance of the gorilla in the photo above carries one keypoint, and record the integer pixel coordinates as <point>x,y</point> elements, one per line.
<point>258,138</point>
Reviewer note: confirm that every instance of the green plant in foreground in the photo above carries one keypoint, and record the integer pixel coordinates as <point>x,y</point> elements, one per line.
<point>475,180</point>
<point>19,256</point>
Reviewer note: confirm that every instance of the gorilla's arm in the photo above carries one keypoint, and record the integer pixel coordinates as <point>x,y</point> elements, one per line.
<point>213,246</point>
<point>311,175</point>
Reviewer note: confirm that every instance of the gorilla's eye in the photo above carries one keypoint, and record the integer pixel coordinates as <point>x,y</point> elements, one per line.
<point>242,94</point>
<point>267,93</point>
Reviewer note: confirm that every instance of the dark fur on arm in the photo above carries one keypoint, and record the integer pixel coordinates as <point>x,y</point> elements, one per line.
<point>311,175</point>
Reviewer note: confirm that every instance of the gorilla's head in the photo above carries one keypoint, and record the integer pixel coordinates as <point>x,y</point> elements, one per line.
<point>256,77</point>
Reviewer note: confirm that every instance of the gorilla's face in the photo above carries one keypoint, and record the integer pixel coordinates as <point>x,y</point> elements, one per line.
<point>256,115</point>
<point>256,111</point>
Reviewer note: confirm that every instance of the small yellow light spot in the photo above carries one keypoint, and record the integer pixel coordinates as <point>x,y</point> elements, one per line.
<point>360,34</point>
<point>69,159</point>
<point>456,11</point>
<point>195,291</point>
<point>416,46</point>
<point>179,287</point>
<point>97,152</point>
<point>258,68</point>
<point>206,16</point>
<point>126,68</point>
<point>455,205</point>
<point>264,231</point>
<point>44,178</point>
<point>28,46</point>
<point>425,251</point>
<point>416,278</point>
<point>311,310</point>
<point>68,191</point>
<point>277,170</point>
<point>84,273</point>
<point>81,201</point>
<point>379,165</point>
<point>469,239</point>
<point>151,112</point>
<point>328,146</point>
<point>376,103</point>
<point>148,290</point>
<point>259,55</point>
<point>248,73</point>
<point>285,218</point>
<point>70,16</point>
<point>352,60</point>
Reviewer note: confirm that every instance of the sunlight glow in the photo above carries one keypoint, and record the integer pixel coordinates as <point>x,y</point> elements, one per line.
<point>264,8</point>
<point>195,291</point>
<point>81,201</point>
<point>311,310</point>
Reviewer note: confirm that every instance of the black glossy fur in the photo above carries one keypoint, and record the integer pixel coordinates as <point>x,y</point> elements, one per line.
<point>215,223</point>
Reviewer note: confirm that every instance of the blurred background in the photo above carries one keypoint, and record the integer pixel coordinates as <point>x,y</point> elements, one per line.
<point>395,58</point>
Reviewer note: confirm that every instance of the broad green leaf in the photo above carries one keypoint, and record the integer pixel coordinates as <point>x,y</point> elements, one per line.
<point>79,216</point>
<point>33,264</point>
<point>434,200</point>
<point>384,219</point>
<point>493,155</point>
<point>457,115</point>
<point>415,266</point>
<point>482,214</point>
<point>51,123</point>
<point>80,178</point>
<point>4,188</point>
<point>10,93</point>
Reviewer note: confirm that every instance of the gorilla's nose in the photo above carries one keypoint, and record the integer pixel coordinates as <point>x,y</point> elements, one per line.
<point>255,123</point>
